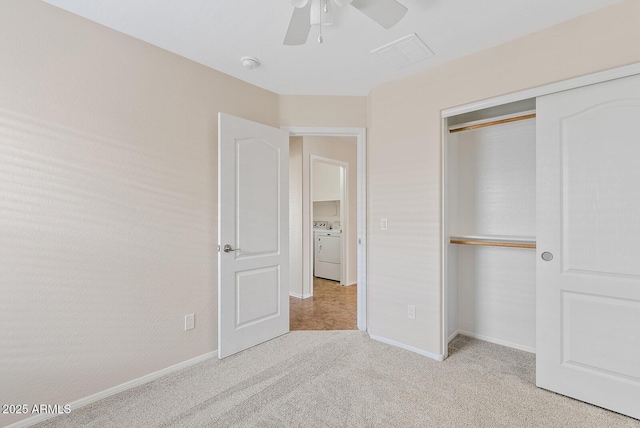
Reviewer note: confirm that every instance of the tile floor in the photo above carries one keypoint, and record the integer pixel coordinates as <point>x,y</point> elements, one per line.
<point>332,307</point>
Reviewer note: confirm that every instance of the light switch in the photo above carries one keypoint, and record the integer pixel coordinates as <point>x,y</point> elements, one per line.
<point>383,224</point>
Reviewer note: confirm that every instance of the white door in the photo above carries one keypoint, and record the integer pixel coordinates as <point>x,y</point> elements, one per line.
<point>253,234</point>
<point>588,220</point>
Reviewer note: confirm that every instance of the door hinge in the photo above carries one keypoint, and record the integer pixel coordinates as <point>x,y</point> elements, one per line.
<point>218,248</point>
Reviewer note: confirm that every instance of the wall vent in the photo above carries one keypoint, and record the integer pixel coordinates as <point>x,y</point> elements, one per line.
<point>404,51</point>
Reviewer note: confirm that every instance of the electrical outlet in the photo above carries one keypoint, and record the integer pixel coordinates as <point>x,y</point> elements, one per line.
<point>189,321</point>
<point>411,312</point>
<point>383,224</point>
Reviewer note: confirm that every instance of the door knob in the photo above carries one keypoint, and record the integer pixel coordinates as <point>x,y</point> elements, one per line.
<point>547,256</point>
<point>227,248</point>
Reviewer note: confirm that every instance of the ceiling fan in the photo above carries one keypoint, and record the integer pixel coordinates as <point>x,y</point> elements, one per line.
<point>387,13</point>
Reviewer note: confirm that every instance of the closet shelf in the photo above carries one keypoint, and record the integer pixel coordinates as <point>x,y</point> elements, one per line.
<point>525,115</point>
<point>495,241</point>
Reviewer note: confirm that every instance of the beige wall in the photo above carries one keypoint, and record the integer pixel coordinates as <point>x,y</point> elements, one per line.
<point>329,111</point>
<point>404,155</point>
<point>108,212</point>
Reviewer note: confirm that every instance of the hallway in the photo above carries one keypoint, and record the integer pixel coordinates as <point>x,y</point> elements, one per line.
<point>333,307</point>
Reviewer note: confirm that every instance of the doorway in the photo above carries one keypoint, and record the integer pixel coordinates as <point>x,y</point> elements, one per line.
<point>301,220</point>
<point>330,222</point>
<point>331,303</point>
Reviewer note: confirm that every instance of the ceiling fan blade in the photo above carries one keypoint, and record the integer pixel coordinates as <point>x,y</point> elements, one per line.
<point>385,12</point>
<point>299,26</point>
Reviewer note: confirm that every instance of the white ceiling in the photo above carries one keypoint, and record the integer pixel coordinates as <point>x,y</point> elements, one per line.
<point>217,33</point>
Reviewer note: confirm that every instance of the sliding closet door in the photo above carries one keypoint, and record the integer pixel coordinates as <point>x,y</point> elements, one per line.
<point>588,254</point>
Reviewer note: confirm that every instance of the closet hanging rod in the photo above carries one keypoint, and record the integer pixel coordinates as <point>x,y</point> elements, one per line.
<point>492,123</point>
<point>489,243</point>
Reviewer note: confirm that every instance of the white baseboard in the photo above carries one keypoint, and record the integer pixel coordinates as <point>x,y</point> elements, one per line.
<point>299,296</point>
<point>494,340</point>
<point>453,336</point>
<point>437,357</point>
<point>116,389</point>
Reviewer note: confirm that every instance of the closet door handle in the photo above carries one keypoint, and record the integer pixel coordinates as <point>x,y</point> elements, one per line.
<point>547,256</point>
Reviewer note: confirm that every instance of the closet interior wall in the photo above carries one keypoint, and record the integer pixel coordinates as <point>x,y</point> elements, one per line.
<point>490,197</point>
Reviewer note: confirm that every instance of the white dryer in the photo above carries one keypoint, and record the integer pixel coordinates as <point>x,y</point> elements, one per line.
<point>328,254</point>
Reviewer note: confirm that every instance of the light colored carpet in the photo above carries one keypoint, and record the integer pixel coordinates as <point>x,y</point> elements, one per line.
<point>345,379</point>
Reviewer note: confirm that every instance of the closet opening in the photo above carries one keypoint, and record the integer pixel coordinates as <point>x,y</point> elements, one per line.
<point>489,221</point>
<point>539,232</point>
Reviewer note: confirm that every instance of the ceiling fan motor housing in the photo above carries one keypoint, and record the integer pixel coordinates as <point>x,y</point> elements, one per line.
<point>307,13</point>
